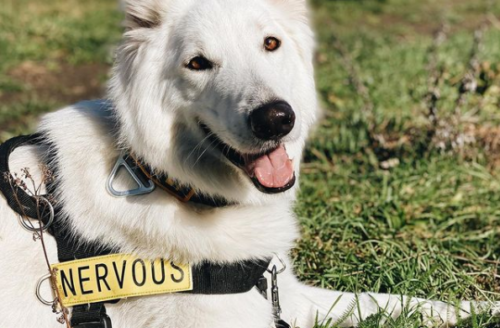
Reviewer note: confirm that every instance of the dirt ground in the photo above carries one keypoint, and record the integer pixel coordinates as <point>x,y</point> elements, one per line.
<point>60,83</point>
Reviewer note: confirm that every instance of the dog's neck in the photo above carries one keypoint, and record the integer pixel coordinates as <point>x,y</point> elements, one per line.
<point>153,225</point>
<point>149,179</point>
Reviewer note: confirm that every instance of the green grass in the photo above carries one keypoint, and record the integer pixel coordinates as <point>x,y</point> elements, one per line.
<point>429,226</point>
<point>39,40</point>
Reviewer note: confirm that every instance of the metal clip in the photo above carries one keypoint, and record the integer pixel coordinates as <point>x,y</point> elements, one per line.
<point>275,295</point>
<point>140,190</point>
<point>283,264</point>
<point>44,227</point>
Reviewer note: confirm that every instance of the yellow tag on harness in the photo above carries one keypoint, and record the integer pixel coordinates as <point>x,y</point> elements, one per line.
<point>117,276</point>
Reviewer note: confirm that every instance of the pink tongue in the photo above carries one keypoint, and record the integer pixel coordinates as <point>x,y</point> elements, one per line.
<point>273,170</point>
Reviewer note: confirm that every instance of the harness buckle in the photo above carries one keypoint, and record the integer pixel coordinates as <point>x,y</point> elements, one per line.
<point>104,322</point>
<point>90,316</point>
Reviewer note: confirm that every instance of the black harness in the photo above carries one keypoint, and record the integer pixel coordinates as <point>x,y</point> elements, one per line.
<point>208,278</point>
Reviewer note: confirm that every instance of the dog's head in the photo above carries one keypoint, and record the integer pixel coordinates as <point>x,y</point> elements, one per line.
<point>218,93</point>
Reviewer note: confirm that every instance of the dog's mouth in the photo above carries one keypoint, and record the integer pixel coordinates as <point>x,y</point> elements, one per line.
<point>271,171</point>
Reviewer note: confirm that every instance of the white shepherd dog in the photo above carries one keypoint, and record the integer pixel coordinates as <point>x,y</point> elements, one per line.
<point>219,94</point>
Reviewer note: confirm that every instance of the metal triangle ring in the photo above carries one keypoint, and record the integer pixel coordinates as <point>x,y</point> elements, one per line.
<point>140,190</point>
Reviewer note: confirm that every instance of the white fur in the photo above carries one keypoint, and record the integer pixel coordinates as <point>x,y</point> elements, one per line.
<point>156,104</point>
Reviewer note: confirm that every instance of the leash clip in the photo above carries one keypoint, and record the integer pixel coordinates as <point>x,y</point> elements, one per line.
<point>275,295</point>
<point>283,265</point>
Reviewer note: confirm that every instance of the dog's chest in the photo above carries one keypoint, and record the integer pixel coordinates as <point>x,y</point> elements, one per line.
<point>153,226</point>
<point>248,310</point>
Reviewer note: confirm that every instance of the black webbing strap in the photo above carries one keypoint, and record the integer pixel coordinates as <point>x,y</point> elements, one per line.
<point>15,195</point>
<point>68,246</point>
<point>234,278</point>
<point>90,316</point>
<point>208,278</point>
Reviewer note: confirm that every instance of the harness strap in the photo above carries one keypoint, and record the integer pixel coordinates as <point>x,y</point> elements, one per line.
<point>68,247</point>
<point>235,278</point>
<point>90,316</point>
<point>16,196</point>
<point>208,278</point>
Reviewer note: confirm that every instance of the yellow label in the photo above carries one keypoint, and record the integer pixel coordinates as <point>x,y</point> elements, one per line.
<point>116,276</point>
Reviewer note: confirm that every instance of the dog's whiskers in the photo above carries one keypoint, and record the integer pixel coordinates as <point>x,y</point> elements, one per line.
<point>198,146</point>
<point>203,153</point>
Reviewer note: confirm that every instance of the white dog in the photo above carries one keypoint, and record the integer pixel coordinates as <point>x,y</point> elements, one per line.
<point>219,95</point>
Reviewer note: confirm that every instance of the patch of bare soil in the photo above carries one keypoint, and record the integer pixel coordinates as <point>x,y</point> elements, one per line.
<point>488,138</point>
<point>427,27</point>
<point>431,16</point>
<point>63,83</point>
<point>430,26</point>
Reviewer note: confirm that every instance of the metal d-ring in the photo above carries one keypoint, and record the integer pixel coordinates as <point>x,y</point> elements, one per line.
<point>39,295</point>
<point>43,227</point>
<point>283,264</point>
<point>141,190</point>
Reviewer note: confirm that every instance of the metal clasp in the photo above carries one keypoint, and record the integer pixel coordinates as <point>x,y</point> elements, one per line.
<point>275,295</point>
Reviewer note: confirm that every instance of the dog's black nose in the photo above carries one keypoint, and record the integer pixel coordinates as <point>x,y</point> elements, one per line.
<point>272,121</point>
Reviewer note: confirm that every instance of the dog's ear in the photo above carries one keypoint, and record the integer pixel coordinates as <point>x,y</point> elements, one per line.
<point>144,13</point>
<point>300,26</point>
<point>297,8</point>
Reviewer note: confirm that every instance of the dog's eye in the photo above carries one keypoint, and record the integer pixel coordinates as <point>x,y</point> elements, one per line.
<point>271,43</point>
<point>199,63</point>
